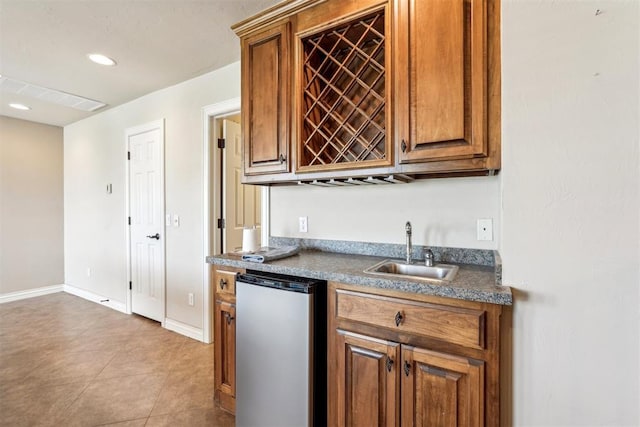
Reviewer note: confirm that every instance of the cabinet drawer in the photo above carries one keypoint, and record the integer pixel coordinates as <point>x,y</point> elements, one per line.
<point>225,282</point>
<point>457,325</point>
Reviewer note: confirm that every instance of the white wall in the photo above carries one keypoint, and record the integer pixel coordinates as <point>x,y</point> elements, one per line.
<point>31,208</point>
<point>94,153</point>
<point>571,209</point>
<point>443,212</point>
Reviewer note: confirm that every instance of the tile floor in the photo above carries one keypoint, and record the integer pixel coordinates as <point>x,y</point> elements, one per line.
<point>65,361</point>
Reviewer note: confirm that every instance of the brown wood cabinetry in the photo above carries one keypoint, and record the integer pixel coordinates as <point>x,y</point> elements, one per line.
<point>377,87</point>
<point>266,80</point>
<point>343,74</point>
<point>414,360</point>
<point>440,389</point>
<point>367,374</point>
<point>224,327</point>
<point>447,85</point>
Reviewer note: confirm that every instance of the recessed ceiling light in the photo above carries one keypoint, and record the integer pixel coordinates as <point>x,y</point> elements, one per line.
<point>101,59</point>
<point>19,106</point>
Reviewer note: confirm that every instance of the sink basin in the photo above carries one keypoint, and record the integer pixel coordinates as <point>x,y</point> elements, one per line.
<point>439,272</point>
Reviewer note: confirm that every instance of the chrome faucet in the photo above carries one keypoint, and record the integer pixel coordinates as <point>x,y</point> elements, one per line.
<point>407,228</point>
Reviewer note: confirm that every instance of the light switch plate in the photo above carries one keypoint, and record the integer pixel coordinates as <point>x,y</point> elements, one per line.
<point>485,229</point>
<point>167,220</point>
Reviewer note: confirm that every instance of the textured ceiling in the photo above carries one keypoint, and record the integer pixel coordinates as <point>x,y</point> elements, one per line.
<point>157,43</point>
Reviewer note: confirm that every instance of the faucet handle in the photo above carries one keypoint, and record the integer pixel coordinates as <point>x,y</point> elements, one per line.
<point>428,258</point>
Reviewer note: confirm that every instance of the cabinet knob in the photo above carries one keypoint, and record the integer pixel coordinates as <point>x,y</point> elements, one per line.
<point>282,158</point>
<point>229,318</point>
<point>223,283</point>
<point>403,145</point>
<point>389,364</point>
<point>407,368</point>
<point>399,318</point>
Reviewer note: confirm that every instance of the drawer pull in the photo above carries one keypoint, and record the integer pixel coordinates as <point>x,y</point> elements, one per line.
<point>229,318</point>
<point>223,283</point>
<point>389,364</point>
<point>407,368</point>
<point>399,318</point>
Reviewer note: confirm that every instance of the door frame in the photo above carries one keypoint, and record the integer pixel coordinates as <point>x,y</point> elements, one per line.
<point>129,132</point>
<point>211,201</point>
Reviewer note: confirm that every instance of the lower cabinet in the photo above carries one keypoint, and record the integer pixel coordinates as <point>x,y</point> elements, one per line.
<point>441,389</point>
<point>225,354</point>
<point>394,372</point>
<point>367,380</point>
<point>224,336</point>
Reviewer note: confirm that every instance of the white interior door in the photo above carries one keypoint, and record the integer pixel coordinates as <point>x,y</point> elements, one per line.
<point>146,211</point>
<point>241,203</point>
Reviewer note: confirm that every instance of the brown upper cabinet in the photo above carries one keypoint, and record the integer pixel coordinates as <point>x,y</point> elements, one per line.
<point>443,59</point>
<point>342,80</point>
<point>353,88</point>
<point>265,99</point>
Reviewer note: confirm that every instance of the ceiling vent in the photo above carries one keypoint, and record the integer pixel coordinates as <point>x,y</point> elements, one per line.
<point>49,95</point>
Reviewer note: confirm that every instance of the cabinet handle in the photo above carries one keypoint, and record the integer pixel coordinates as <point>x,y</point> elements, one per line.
<point>389,364</point>
<point>403,145</point>
<point>282,158</point>
<point>399,318</point>
<point>229,318</point>
<point>407,368</point>
<point>223,283</point>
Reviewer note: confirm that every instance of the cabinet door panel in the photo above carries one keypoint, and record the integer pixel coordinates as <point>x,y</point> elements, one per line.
<point>442,111</point>
<point>368,381</point>
<point>265,100</point>
<point>441,390</point>
<point>225,354</point>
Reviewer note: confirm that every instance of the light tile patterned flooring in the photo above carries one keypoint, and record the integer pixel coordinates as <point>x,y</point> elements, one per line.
<point>65,361</point>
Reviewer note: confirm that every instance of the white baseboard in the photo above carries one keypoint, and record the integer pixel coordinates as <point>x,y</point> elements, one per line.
<point>82,293</point>
<point>30,293</point>
<point>184,329</point>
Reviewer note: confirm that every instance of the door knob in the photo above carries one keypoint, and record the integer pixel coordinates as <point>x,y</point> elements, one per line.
<point>155,236</point>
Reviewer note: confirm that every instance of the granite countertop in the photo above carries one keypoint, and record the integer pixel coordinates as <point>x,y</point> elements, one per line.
<point>472,283</point>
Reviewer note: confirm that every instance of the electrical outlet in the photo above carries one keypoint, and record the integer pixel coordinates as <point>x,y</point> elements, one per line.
<point>485,229</point>
<point>302,224</point>
<point>191,301</point>
<point>176,220</point>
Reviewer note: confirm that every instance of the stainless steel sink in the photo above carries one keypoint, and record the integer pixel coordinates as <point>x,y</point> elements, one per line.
<point>438,272</point>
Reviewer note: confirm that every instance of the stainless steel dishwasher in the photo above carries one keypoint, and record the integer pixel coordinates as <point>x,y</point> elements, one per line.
<point>281,355</point>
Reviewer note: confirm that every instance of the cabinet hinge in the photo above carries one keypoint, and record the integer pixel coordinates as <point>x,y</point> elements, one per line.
<point>130,285</point>
<point>221,143</point>
<point>221,223</point>
<point>128,155</point>
<point>129,220</point>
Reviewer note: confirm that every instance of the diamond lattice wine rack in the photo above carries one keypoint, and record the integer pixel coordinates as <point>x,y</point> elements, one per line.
<point>343,96</point>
